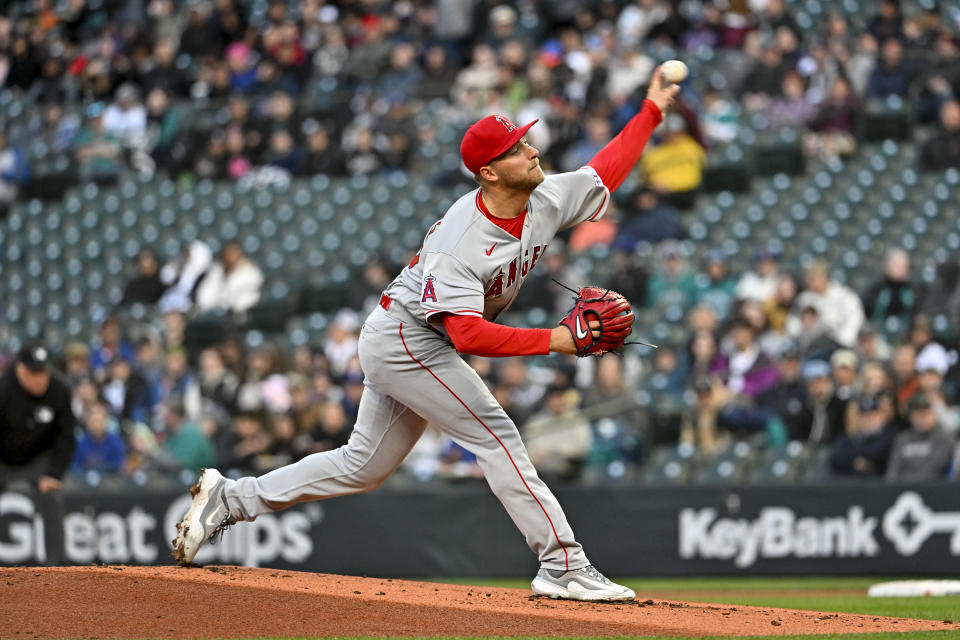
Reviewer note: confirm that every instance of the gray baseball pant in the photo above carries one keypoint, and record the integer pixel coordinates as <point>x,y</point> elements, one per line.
<point>413,377</point>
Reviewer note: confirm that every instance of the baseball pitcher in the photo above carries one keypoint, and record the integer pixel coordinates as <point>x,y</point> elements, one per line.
<point>446,302</point>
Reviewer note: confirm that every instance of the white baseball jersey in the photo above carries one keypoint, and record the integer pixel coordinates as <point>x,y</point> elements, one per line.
<point>470,266</point>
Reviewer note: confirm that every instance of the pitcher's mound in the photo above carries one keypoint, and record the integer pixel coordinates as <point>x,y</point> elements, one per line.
<point>235,602</point>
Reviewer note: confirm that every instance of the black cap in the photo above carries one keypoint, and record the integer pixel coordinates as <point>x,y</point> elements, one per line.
<point>35,357</point>
<point>919,400</point>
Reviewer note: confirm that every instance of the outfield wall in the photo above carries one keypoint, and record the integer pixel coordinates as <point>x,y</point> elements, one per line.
<point>839,529</point>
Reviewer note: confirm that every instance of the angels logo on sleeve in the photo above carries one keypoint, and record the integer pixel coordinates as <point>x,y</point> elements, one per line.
<point>428,290</point>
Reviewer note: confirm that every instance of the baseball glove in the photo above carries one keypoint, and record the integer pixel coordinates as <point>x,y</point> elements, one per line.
<point>607,307</point>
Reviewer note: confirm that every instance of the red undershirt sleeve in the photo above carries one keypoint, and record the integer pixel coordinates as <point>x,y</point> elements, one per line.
<point>480,337</point>
<point>614,162</point>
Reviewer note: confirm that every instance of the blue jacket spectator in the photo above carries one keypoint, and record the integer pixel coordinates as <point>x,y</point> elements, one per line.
<point>101,447</point>
<point>892,76</point>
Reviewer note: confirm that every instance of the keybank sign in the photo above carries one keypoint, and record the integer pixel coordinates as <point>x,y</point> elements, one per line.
<point>777,532</point>
<point>141,537</point>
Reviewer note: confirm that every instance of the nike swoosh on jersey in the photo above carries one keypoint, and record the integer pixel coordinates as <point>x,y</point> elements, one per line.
<point>490,250</point>
<point>581,332</point>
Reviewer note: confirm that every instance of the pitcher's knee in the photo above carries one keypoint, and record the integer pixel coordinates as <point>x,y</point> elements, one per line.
<point>362,471</point>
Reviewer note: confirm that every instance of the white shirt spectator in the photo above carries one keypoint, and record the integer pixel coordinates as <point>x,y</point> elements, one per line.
<point>756,287</point>
<point>839,309</point>
<point>235,287</point>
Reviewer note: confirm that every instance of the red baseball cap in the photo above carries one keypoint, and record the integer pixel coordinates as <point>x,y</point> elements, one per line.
<point>488,138</point>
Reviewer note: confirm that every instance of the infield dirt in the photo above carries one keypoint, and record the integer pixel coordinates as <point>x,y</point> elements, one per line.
<point>235,602</point>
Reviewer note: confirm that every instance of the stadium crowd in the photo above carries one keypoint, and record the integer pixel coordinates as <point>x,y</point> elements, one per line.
<point>218,89</point>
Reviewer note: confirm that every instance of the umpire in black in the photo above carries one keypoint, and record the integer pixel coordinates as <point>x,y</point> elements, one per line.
<point>37,439</point>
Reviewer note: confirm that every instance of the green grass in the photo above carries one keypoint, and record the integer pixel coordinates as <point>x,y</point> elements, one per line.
<point>781,592</point>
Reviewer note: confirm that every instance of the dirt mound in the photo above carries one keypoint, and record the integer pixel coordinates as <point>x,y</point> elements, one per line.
<point>235,602</point>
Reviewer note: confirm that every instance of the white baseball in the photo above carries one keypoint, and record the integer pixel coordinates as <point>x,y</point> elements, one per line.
<point>674,71</point>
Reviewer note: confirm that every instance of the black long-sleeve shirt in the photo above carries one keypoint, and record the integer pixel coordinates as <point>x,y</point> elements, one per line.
<point>32,425</point>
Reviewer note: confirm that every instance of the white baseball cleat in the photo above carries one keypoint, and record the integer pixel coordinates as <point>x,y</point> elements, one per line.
<point>207,516</point>
<point>579,584</point>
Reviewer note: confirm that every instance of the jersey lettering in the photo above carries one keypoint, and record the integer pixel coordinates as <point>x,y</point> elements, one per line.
<point>536,254</point>
<point>428,292</point>
<point>513,272</point>
<point>523,269</point>
<point>496,289</point>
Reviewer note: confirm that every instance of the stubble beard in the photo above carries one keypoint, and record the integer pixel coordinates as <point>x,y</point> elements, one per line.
<point>528,182</point>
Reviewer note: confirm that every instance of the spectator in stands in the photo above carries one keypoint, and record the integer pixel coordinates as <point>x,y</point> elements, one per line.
<point>284,152</point>
<point>212,161</point>
<point>597,135</point>
<point>164,131</point>
<point>98,151</point>
<point>667,373</point>
<point>871,345</point>
<point>402,77</point>
<point>163,72</point>
<point>760,283</point>
<point>341,343</point>
<point>126,393</point>
<point>924,452</point>
<point>145,287</point>
<point>922,339</point>
<point>186,443</point>
<point>864,450</point>
<point>714,285</point>
<point>791,108</point>
<point>217,383</point>
<point>126,117</point>
<point>742,367</point>
<point>932,366</point>
<point>14,173</point>
<point>812,336</point>
<point>242,446</point>
<point>823,419</point>
<point>843,366</point>
<point>905,379</point>
<point>672,284</point>
<point>100,447</point>
<point>394,135</point>
<point>76,357</point>
<point>893,296</point>
<point>629,276</point>
<point>322,156</point>
<point>333,428</point>
<point>112,345</point>
<point>942,150</point>
<point>838,307</point>
<point>720,118</point>
<point>178,384</point>
<point>892,75</point>
<point>787,399</point>
<point>834,128</point>
<point>674,167</point>
<point>648,220</point>
<point>233,283</point>
<point>558,437</point>
<point>765,78</point>
<point>888,22</point>
<point>776,309</point>
<point>438,74</point>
